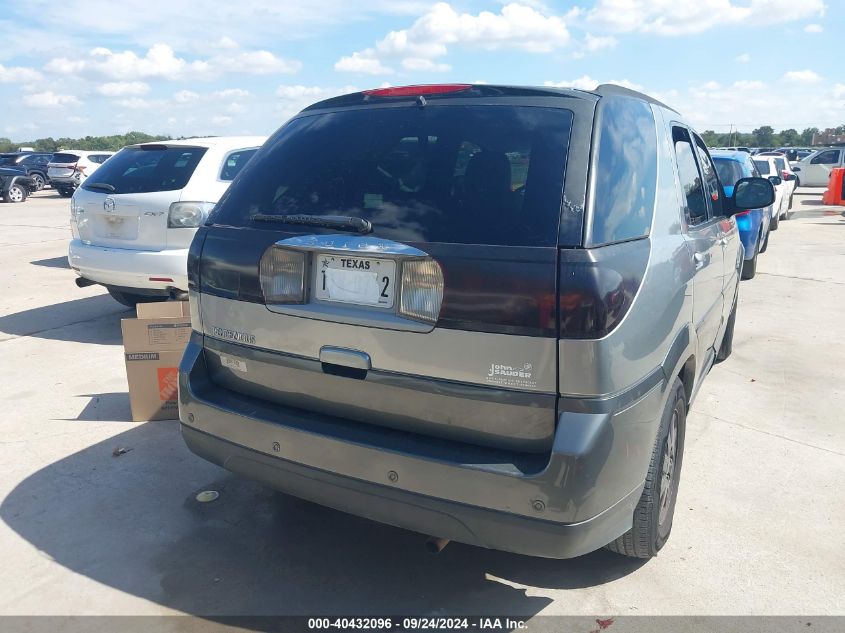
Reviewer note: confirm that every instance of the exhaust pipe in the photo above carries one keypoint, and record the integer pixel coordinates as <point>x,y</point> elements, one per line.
<point>84,283</point>
<point>435,544</point>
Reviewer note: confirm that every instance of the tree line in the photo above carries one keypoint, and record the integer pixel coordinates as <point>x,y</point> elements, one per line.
<point>95,143</point>
<point>764,136</point>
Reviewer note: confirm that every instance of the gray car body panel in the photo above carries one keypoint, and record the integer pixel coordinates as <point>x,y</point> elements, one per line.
<point>480,466</point>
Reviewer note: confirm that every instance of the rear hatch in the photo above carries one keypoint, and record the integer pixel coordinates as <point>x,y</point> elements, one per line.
<point>395,264</point>
<point>62,165</point>
<point>125,203</point>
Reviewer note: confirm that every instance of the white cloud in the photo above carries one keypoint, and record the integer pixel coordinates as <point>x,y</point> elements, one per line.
<point>18,74</point>
<point>296,97</point>
<point>136,103</point>
<point>49,99</point>
<point>123,88</point>
<point>595,43</point>
<point>744,58</point>
<point>362,62</point>
<point>221,120</point>
<point>516,26</point>
<point>678,17</point>
<point>813,28</point>
<point>588,83</point>
<point>231,93</point>
<point>161,62</point>
<point>255,63</point>
<point>185,96</point>
<point>802,76</point>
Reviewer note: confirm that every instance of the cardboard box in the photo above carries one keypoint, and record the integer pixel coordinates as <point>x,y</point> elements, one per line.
<point>153,345</point>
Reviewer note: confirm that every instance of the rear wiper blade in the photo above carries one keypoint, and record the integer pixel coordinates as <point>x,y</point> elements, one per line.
<point>340,222</point>
<point>99,185</point>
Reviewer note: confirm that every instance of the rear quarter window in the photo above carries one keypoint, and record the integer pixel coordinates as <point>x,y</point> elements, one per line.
<point>730,171</point>
<point>763,167</point>
<point>149,168</point>
<point>625,172</point>
<point>234,163</point>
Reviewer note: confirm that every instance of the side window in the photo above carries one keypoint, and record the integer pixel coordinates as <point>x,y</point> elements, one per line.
<point>235,162</point>
<point>626,172</point>
<point>830,157</point>
<point>695,204</point>
<point>711,179</point>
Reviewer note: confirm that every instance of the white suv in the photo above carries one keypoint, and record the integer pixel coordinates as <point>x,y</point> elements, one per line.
<point>133,223</point>
<point>69,168</point>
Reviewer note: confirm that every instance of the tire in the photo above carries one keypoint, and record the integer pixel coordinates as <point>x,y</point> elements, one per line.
<point>765,245</point>
<point>749,268</point>
<point>655,511</point>
<point>39,180</point>
<point>65,193</point>
<point>726,347</point>
<point>773,226</point>
<point>130,300</point>
<point>15,194</point>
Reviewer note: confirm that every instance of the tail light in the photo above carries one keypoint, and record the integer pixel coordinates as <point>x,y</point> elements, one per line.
<point>422,290</point>
<point>598,286</point>
<point>414,91</point>
<point>188,215</point>
<point>743,220</point>
<point>282,275</point>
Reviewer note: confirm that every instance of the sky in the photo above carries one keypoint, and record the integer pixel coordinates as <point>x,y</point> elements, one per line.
<point>194,67</point>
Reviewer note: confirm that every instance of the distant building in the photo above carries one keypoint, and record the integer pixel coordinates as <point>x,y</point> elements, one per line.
<point>829,137</point>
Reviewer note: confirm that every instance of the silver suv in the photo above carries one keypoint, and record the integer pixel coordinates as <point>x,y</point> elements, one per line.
<point>472,311</point>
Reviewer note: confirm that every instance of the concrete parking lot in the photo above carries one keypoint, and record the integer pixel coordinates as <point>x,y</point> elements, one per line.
<point>758,526</point>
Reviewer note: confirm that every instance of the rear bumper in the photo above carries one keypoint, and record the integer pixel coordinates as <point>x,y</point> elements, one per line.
<point>573,501</point>
<point>127,268</point>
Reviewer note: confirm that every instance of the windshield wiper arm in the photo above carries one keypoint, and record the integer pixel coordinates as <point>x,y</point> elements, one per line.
<point>340,222</point>
<point>100,185</point>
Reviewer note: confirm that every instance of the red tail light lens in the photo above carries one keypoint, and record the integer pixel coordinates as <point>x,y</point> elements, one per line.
<point>741,213</point>
<point>413,91</point>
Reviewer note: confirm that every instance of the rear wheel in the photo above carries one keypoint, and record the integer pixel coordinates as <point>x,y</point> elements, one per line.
<point>774,225</point>
<point>15,193</point>
<point>130,300</point>
<point>65,193</point>
<point>749,268</point>
<point>39,181</point>
<point>655,511</point>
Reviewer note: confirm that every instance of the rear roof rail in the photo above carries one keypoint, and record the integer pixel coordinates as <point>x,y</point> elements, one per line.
<point>607,90</point>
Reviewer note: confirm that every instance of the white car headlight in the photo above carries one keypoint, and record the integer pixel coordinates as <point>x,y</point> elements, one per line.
<point>188,215</point>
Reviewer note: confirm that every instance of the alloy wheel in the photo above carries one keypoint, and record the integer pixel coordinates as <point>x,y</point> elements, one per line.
<point>667,468</point>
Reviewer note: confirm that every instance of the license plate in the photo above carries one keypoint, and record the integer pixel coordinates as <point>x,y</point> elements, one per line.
<point>365,281</point>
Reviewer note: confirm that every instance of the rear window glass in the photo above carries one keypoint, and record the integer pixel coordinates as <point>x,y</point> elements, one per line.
<point>235,162</point>
<point>65,158</point>
<point>156,168</point>
<point>455,174</point>
<point>626,172</point>
<point>780,163</point>
<point>763,166</point>
<point>730,171</point>
<point>8,159</point>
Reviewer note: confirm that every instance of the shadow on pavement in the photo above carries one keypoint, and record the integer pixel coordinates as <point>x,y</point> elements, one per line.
<point>88,320</point>
<point>111,407</point>
<point>53,262</point>
<point>132,523</point>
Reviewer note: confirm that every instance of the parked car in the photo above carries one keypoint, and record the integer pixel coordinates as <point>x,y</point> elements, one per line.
<point>34,164</point>
<point>794,154</point>
<point>814,170</point>
<point>69,168</point>
<point>133,221</point>
<point>784,170</point>
<point>15,184</point>
<point>395,315</point>
<point>768,168</point>
<point>753,223</point>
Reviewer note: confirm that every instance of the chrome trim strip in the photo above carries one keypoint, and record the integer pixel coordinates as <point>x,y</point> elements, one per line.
<point>351,244</point>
